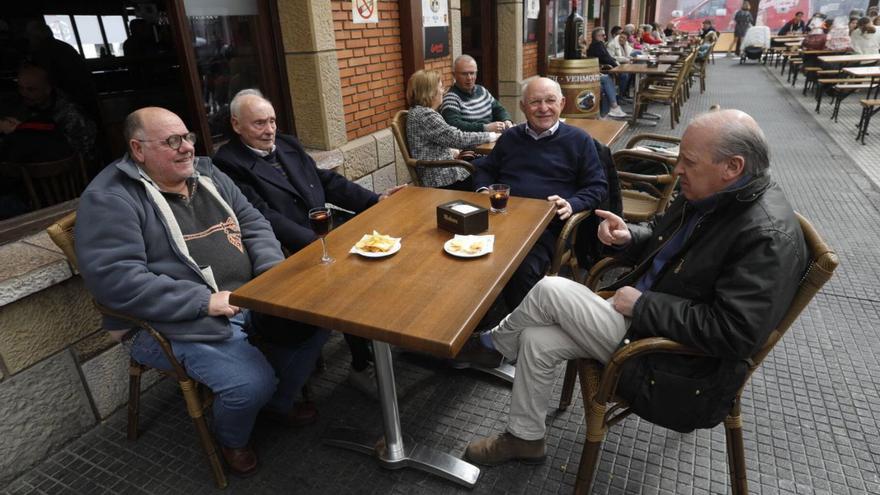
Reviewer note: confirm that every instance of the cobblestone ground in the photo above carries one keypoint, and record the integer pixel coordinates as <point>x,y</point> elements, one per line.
<point>811,412</point>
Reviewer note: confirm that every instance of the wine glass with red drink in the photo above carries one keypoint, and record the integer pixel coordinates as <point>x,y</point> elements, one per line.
<point>498,195</point>
<point>321,221</point>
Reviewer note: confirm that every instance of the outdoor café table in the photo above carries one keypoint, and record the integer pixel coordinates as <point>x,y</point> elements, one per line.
<point>606,132</point>
<point>873,72</point>
<point>849,59</point>
<point>419,298</point>
<point>662,58</point>
<point>640,70</point>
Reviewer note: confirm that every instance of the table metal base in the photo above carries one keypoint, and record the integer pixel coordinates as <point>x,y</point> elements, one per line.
<point>390,449</point>
<point>506,371</point>
<point>414,455</point>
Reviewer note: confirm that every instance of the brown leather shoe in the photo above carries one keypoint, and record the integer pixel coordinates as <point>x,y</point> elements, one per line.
<point>504,447</point>
<point>241,462</point>
<point>302,414</point>
<point>473,353</point>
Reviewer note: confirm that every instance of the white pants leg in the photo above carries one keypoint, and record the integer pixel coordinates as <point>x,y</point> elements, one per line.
<point>557,321</point>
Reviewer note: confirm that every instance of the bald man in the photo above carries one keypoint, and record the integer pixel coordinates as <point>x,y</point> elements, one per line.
<point>163,236</point>
<point>469,106</point>
<point>277,175</point>
<point>716,273</point>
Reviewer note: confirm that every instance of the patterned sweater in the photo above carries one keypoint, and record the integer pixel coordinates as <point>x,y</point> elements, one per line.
<point>430,137</point>
<point>470,112</point>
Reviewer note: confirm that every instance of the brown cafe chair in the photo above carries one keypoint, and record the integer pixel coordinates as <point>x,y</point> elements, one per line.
<point>49,183</point>
<point>415,167</point>
<point>198,398</point>
<point>602,408</point>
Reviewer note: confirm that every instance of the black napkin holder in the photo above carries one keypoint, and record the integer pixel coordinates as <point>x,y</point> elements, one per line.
<point>462,223</point>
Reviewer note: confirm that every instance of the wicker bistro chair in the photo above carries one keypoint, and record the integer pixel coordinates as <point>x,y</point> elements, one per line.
<point>198,398</point>
<point>602,407</point>
<point>645,195</point>
<point>398,127</point>
<point>671,91</point>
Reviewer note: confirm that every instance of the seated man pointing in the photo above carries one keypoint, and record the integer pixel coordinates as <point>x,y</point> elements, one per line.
<point>716,272</point>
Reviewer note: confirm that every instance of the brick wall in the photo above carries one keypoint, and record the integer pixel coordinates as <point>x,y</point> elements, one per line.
<point>530,60</point>
<point>370,68</point>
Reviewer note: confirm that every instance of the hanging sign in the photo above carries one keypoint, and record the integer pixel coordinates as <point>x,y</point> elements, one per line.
<point>435,20</point>
<point>364,11</point>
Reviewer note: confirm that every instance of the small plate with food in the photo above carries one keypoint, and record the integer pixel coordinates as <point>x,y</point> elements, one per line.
<point>376,245</point>
<point>469,246</point>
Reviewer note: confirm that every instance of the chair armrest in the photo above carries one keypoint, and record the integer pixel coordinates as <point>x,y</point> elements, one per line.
<point>600,268</point>
<point>651,179</point>
<point>634,350</point>
<point>561,241</point>
<point>179,370</point>
<point>652,137</point>
<point>445,163</point>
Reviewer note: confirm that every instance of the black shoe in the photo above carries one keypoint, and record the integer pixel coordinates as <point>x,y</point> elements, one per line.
<point>473,353</point>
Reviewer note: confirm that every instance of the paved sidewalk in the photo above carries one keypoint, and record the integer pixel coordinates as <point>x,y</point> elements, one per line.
<point>811,413</point>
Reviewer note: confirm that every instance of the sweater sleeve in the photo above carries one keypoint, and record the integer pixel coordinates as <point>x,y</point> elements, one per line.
<point>451,112</point>
<point>499,113</point>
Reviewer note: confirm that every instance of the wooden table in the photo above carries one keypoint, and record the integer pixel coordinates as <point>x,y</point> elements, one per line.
<point>640,70</point>
<point>420,298</point>
<point>849,59</point>
<point>872,72</point>
<point>606,132</point>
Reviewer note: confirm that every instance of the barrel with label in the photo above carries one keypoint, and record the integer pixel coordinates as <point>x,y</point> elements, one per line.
<point>579,80</point>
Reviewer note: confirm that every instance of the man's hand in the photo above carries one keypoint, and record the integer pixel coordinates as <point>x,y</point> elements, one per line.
<point>563,208</point>
<point>219,305</point>
<point>508,124</point>
<point>466,155</point>
<point>8,124</point>
<point>495,127</point>
<point>612,230</point>
<point>625,300</point>
<point>390,191</point>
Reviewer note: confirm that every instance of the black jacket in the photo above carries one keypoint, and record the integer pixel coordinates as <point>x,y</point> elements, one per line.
<point>286,202</point>
<point>793,26</point>
<point>723,293</point>
<point>597,49</point>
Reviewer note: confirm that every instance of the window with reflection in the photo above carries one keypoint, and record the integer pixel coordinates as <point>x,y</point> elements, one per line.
<point>225,34</point>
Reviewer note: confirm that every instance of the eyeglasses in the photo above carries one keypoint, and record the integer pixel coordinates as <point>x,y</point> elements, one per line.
<point>175,140</point>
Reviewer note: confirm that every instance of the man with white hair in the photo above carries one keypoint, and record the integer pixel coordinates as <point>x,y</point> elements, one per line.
<point>282,181</point>
<point>469,106</point>
<point>544,158</point>
<point>716,273</point>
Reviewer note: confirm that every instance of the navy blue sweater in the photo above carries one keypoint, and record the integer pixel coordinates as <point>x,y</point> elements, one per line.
<point>565,164</point>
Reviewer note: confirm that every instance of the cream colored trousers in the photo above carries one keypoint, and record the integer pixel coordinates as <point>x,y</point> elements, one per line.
<point>558,320</point>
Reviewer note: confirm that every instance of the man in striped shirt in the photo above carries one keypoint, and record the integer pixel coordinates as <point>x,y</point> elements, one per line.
<point>469,106</point>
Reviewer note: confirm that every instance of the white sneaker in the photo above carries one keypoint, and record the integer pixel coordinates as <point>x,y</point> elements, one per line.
<point>365,381</point>
<point>617,112</point>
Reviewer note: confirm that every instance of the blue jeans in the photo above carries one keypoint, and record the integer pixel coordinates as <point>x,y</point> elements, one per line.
<point>623,83</point>
<point>242,378</point>
<point>609,94</point>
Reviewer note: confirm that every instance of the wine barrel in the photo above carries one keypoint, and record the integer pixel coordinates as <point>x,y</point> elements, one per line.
<point>579,79</point>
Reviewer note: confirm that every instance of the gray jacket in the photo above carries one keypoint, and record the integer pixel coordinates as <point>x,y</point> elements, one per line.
<point>133,258</point>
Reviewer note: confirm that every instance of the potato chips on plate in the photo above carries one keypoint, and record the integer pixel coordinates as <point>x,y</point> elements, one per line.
<point>376,245</point>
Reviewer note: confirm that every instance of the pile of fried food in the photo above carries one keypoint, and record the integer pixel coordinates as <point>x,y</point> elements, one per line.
<point>467,246</point>
<point>376,243</point>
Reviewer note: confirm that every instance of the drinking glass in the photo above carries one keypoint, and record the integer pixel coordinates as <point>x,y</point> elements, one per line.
<point>498,195</point>
<point>321,221</point>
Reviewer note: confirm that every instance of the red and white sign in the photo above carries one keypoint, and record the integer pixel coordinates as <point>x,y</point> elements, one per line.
<point>364,11</point>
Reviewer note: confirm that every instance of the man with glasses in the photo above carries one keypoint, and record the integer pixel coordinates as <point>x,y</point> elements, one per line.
<point>469,106</point>
<point>163,236</point>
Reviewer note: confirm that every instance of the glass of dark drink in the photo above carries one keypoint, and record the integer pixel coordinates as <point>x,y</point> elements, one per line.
<point>321,221</point>
<point>498,194</point>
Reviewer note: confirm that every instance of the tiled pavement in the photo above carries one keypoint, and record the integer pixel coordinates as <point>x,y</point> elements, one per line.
<point>811,413</point>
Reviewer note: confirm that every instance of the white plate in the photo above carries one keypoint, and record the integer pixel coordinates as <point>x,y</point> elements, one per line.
<point>377,254</point>
<point>463,255</point>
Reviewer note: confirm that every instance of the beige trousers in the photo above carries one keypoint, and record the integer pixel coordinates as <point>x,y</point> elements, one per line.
<point>558,320</point>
